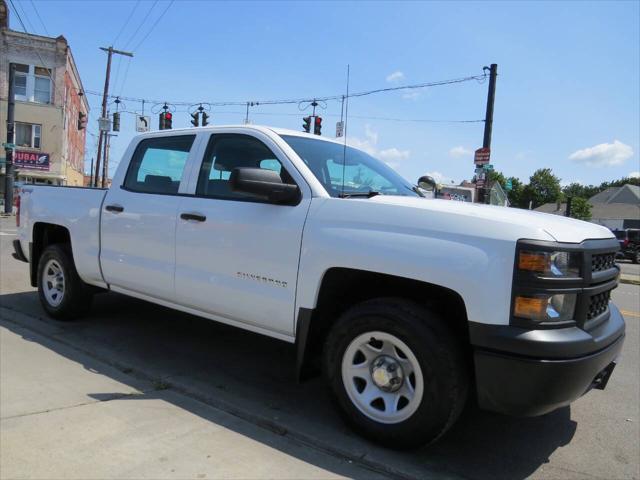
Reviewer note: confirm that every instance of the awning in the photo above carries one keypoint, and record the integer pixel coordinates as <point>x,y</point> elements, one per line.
<point>40,174</point>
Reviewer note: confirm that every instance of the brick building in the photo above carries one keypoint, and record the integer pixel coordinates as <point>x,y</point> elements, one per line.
<point>48,102</point>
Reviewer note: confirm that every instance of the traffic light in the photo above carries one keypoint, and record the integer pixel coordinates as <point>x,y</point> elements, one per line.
<point>168,118</point>
<point>161,121</point>
<point>205,119</point>
<point>194,119</point>
<point>307,124</point>
<point>116,122</point>
<point>82,120</point>
<point>317,127</point>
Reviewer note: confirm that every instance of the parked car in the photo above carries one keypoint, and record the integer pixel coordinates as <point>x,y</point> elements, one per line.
<point>410,306</point>
<point>629,240</point>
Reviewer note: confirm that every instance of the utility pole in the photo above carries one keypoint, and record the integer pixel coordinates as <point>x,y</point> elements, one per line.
<point>91,173</point>
<point>8,148</point>
<point>491,98</point>
<point>110,51</point>
<point>105,168</point>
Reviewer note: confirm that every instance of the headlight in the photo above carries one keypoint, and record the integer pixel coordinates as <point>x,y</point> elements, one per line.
<point>550,264</point>
<point>546,308</point>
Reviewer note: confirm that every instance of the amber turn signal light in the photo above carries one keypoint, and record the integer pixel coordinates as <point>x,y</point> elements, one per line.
<point>534,262</point>
<point>534,308</point>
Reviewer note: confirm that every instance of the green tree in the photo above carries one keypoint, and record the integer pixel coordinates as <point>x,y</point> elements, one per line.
<point>515,194</point>
<point>543,187</point>
<point>580,209</point>
<point>576,189</point>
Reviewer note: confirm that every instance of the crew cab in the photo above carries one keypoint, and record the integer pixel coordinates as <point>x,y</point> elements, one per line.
<point>410,306</point>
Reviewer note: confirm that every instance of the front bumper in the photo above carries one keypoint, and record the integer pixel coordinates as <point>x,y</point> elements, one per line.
<point>533,372</point>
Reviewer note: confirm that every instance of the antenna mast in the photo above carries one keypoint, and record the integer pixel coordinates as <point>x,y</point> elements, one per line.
<point>346,121</point>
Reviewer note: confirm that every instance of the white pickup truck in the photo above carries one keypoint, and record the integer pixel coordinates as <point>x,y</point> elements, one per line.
<point>410,306</point>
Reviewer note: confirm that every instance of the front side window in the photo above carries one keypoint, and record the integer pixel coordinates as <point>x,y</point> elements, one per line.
<point>228,151</point>
<point>27,135</point>
<point>157,166</point>
<point>348,172</point>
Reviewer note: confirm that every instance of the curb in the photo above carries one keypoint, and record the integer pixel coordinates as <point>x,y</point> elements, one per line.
<point>265,423</point>
<point>630,281</point>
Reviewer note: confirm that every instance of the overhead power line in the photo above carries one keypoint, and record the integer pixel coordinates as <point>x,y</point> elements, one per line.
<point>129,17</point>
<point>478,78</point>
<point>39,18</point>
<point>153,26</point>
<point>141,24</point>
<point>24,13</point>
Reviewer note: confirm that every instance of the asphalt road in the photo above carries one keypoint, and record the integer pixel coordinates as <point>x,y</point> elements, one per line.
<point>218,374</point>
<point>628,268</point>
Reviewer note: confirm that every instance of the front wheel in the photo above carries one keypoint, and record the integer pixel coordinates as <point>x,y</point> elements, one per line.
<point>62,293</point>
<point>396,372</point>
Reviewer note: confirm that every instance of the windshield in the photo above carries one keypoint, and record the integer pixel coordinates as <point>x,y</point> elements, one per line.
<point>363,174</point>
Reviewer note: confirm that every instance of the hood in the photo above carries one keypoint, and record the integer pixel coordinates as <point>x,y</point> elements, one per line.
<point>541,225</point>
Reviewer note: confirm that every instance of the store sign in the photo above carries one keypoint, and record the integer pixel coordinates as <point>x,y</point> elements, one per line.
<point>482,156</point>
<point>31,160</point>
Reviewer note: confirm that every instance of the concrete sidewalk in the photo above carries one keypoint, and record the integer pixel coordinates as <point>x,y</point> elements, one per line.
<point>66,415</point>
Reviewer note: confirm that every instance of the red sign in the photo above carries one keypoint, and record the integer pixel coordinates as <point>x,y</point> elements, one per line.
<point>31,160</point>
<point>482,156</point>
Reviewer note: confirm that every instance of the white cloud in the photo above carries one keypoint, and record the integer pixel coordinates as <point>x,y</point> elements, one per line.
<point>413,95</point>
<point>603,155</point>
<point>391,156</point>
<point>395,77</point>
<point>439,177</point>
<point>634,175</point>
<point>459,151</point>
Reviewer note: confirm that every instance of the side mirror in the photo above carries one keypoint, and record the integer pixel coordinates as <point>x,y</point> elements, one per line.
<point>264,183</point>
<point>427,182</point>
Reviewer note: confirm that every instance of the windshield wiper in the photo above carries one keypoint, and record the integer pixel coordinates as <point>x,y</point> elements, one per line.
<point>369,194</point>
<point>417,190</point>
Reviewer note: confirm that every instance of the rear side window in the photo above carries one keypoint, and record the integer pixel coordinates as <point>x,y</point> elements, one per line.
<point>158,164</point>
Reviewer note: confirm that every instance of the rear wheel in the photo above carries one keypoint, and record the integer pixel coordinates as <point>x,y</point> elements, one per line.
<point>636,256</point>
<point>396,372</point>
<point>62,293</point>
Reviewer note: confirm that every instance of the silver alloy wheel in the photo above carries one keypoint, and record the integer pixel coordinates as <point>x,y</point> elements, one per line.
<point>382,377</point>
<point>53,283</point>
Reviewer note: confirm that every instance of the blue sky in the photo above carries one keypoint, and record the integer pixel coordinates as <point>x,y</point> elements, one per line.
<point>567,92</point>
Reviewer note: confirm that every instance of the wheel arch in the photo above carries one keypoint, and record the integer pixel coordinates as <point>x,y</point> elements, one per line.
<point>43,235</point>
<point>343,287</point>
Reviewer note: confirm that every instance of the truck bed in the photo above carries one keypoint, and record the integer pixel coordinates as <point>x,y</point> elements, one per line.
<point>75,208</point>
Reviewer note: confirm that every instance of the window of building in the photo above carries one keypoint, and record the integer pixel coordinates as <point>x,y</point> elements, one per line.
<point>21,72</point>
<point>32,83</point>
<point>42,90</point>
<point>158,164</point>
<point>28,135</point>
<point>229,151</point>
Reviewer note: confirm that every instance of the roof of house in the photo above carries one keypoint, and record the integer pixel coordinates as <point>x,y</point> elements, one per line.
<point>625,194</point>
<point>599,211</point>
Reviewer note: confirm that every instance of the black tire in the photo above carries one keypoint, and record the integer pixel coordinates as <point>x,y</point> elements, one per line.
<point>440,356</point>
<point>635,258</point>
<point>77,296</point>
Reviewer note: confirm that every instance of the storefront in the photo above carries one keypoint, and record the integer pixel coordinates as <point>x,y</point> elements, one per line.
<point>34,167</point>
